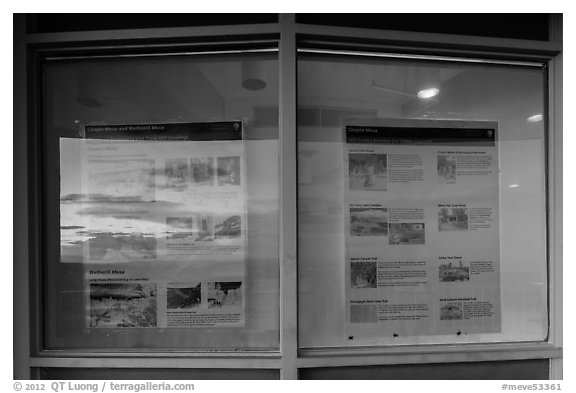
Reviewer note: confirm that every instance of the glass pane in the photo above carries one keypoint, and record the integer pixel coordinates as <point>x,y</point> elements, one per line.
<point>161,201</point>
<point>441,239</point>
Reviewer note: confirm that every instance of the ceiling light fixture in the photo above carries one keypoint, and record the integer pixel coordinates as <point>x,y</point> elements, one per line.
<point>253,75</point>
<point>535,118</point>
<point>428,93</point>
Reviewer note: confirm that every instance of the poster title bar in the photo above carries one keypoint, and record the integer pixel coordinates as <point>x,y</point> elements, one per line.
<point>421,135</point>
<point>216,131</point>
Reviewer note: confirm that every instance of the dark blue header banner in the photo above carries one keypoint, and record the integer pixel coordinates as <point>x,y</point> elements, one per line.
<point>209,131</point>
<point>421,135</point>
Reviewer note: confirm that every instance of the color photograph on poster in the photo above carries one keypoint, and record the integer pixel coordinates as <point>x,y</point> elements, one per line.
<point>119,305</point>
<point>184,297</point>
<point>367,171</point>
<point>368,220</point>
<point>363,275</point>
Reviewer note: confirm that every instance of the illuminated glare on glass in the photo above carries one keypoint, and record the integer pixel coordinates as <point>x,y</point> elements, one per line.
<point>514,185</point>
<point>428,93</point>
<point>535,118</point>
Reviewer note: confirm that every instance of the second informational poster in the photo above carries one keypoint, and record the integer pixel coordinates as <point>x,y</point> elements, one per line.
<point>422,228</point>
<point>157,215</point>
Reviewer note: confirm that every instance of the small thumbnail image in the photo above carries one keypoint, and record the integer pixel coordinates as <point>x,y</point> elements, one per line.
<point>228,171</point>
<point>176,172</point>
<point>451,311</point>
<point>224,294</point>
<point>122,305</point>
<point>449,272</point>
<point>183,297</point>
<point>452,219</point>
<point>363,313</point>
<point>367,171</point>
<point>130,180</point>
<point>446,168</point>
<point>368,221</point>
<point>121,246</point>
<point>363,275</point>
<point>179,227</point>
<point>202,171</point>
<point>227,227</point>
<point>403,233</point>
<point>204,227</point>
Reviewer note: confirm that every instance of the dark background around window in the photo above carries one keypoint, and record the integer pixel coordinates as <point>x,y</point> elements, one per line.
<point>532,369</point>
<point>519,26</point>
<point>52,23</point>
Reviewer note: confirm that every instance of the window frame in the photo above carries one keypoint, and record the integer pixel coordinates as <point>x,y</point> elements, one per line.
<point>290,37</point>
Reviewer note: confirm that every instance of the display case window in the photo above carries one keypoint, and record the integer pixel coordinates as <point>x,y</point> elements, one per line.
<point>161,204</point>
<point>424,221</point>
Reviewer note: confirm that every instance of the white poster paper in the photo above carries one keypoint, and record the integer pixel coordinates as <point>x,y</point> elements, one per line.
<point>422,228</point>
<point>157,215</point>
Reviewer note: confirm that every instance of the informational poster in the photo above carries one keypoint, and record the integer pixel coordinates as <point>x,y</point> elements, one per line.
<point>422,228</point>
<point>157,215</point>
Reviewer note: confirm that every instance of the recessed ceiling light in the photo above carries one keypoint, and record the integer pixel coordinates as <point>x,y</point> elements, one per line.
<point>535,118</point>
<point>253,84</point>
<point>428,93</point>
<point>253,76</point>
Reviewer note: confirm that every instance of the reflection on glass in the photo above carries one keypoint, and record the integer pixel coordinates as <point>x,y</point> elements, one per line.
<point>168,227</point>
<point>333,89</point>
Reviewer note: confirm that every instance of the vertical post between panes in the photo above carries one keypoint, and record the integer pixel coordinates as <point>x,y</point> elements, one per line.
<point>288,213</point>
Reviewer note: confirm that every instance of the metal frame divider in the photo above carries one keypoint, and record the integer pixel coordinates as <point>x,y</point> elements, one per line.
<point>28,354</point>
<point>288,200</point>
